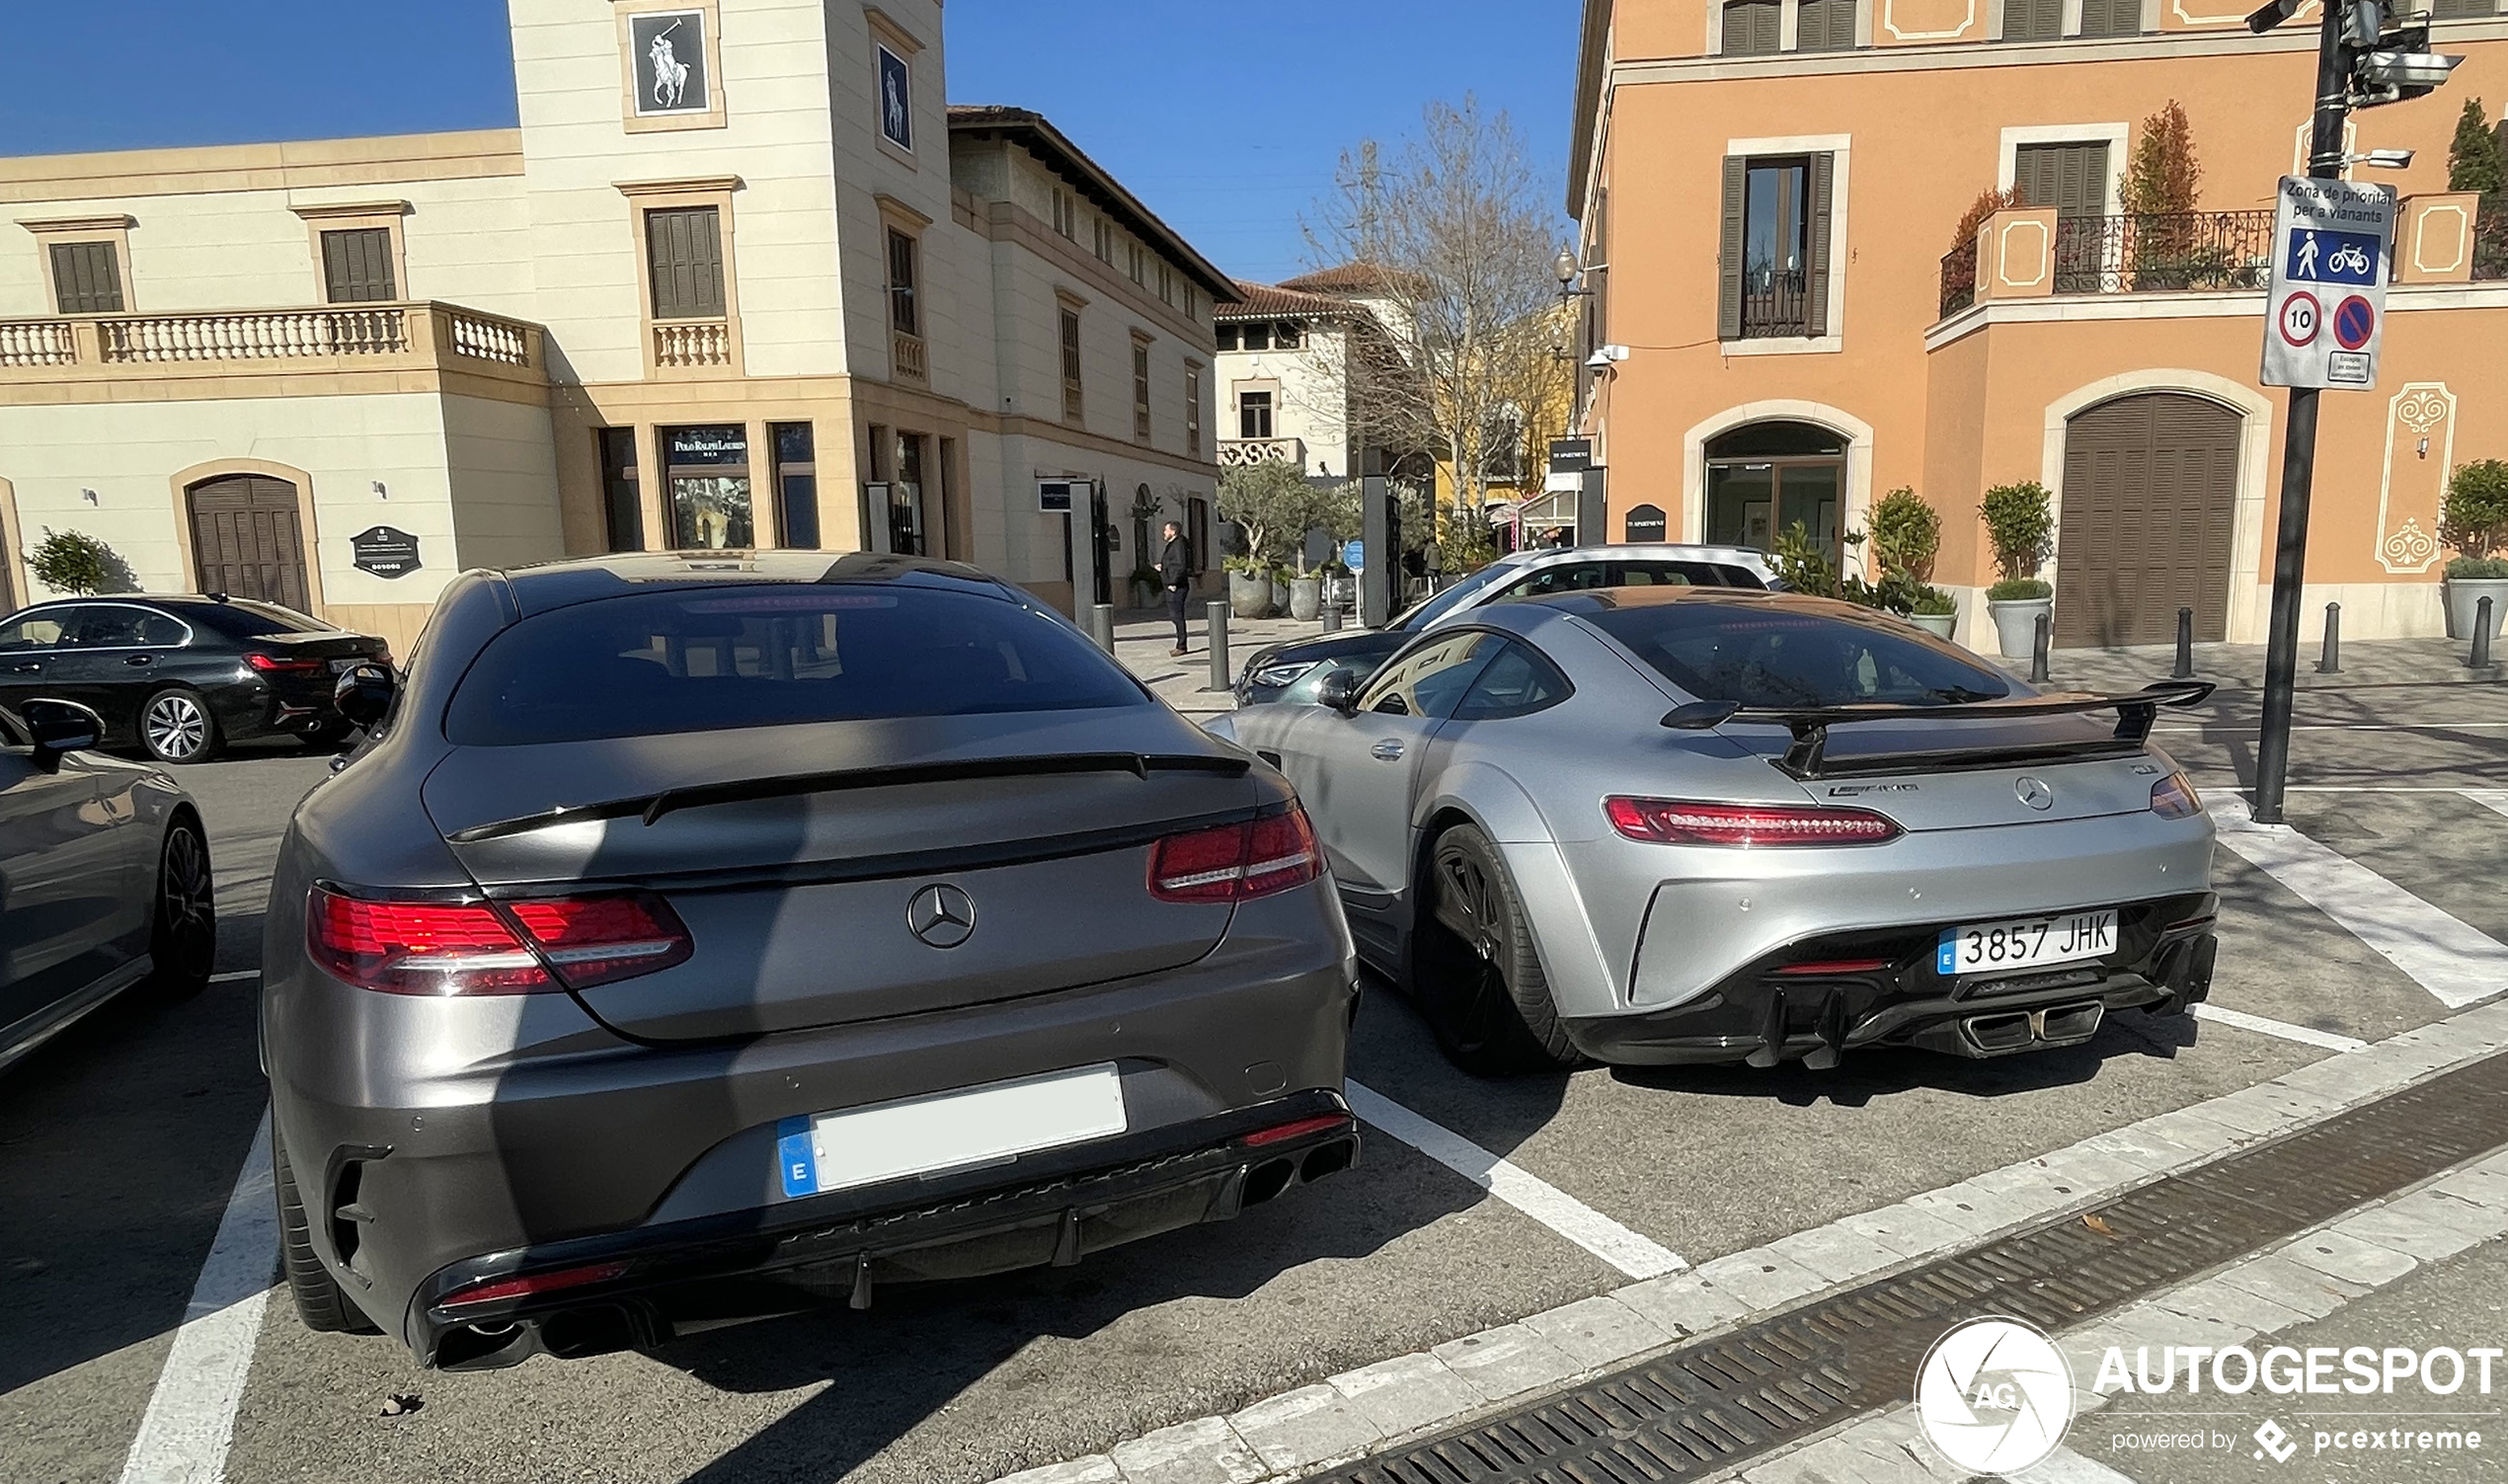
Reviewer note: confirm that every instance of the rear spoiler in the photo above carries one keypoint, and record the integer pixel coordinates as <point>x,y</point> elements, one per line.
<point>1807,758</point>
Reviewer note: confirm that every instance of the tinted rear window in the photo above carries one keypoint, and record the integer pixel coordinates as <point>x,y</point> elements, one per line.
<point>1756,657</point>
<point>245,619</point>
<point>712,658</point>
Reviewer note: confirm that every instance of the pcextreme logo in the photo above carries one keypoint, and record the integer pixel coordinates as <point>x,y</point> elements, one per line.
<point>1995,1395</point>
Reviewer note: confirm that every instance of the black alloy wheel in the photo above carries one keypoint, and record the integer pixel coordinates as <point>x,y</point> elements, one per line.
<point>1477,977</point>
<point>183,934</point>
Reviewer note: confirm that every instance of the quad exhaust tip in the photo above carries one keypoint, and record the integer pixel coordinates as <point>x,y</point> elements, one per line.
<point>2024,1029</point>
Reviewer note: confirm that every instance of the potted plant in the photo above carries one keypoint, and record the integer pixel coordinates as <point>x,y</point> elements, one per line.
<point>2022,529</point>
<point>1936,612</point>
<point>1249,589</point>
<point>2474,520</point>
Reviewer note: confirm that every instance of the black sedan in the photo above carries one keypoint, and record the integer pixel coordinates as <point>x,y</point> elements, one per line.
<point>182,675</point>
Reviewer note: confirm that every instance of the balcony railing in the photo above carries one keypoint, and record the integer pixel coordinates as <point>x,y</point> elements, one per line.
<point>2490,240</point>
<point>2180,251</point>
<point>1776,302</point>
<point>446,336</point>
<point>1237,453</point>
<point>692,345</point>
<point>906,357</point>
<point>1959,278</point>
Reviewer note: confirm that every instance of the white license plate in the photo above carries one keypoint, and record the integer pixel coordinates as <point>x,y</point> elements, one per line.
<point>950,1130</point>
<point>342,667</point>
<point>2026,943</point>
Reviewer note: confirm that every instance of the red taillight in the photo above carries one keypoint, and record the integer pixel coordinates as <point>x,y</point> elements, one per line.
<point>2174,797</point>
<point>1236,862</point>
<point>1835,965</point>
<point>1674,821</point>
<point>592,940</point>
<point>440,947</point>
<point>493,1290</point>
<point>1305,1126</point>
<point>271,665</point>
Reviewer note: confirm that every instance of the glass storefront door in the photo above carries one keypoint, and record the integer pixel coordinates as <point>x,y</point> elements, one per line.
<point>1768,477</point>
<point>709,484</point>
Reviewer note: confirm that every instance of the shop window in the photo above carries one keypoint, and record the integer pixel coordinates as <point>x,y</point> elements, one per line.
<point>708,479</point>
<point>796,486</point>
<point>622,492</point>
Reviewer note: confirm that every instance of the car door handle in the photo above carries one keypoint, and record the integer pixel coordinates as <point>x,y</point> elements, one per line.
<point>31,667</point>
<point>142,660</point>
<point>1387,750</point>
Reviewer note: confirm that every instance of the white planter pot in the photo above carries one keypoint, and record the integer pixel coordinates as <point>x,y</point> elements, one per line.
<point>1305,599</point>
<point>1249,597</point>
<point>2016,625</point>
<point>2465,596</point>
<point>1939,625</point>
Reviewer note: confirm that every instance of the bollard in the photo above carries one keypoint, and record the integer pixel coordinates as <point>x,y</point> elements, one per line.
<point>1332,618</point>
<point>2038,648</point>
<point>2481,636</point>
<point>1220,679</point>
<point>1101,622</point>
<point>2331,662</point>
<point>2185,645</point>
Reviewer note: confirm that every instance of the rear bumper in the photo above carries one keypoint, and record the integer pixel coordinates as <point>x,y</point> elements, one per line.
<point>660,1281</point>
<point>1765,1014</point>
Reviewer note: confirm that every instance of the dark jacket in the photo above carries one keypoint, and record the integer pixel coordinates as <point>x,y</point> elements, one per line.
<point>1175,563</point>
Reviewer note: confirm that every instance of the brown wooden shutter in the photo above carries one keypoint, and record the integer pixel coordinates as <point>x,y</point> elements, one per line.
<point>1751,28</point>
<point>2072,178</point>
<point>2111,18</point>
<point>1728,289</point>
<point>87,277</point>
<point>357,266</point>
<point>1825,26</point>
<point>2032,20</point>
<point>686,247</point>
<point>1823,169</point>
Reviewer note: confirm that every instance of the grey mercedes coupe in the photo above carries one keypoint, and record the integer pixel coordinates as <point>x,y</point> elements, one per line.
<point>1668,823</point>
<point>713,935</point>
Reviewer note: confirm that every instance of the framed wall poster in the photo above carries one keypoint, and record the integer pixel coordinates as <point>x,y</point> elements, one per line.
<point>897,98</point>
<point>668,52</point>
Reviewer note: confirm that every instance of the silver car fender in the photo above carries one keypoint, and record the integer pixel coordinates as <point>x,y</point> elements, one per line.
<point>1563,938</point>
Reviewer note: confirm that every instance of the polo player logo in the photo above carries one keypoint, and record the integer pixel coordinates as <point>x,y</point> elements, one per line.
<point>670,74</point>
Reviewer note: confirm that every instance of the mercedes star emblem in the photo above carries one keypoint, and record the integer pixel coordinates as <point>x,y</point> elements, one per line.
<point>2033,792</point>
<point>942,915</point>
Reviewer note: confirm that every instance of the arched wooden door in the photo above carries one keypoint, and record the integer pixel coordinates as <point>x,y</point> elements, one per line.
<point>248,539</point>
<point>2150,490</point>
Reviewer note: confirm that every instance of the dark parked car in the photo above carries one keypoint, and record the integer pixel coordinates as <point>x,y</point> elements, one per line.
<point>1295,671</point>
<point>104,877</point>
<point>694,939</point>
<point>183,677</point>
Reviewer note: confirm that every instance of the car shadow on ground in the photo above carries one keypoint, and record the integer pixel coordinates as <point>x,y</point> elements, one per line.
<point>119,1143</point>
<point>923,1346</point>
<point>1862,1077</point>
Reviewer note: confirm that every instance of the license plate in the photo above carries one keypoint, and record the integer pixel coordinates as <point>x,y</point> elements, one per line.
<point>2026,943</point>
<point>950,1130</point>
<point>342,667</point>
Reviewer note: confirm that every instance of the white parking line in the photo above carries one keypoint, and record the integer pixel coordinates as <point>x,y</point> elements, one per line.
<point>2443,955</point>
<point>1634,1255</point>
<point>191,1418</point>
<point>2304,1035</point>
<point>240,973</point>
<point>2493,799</point>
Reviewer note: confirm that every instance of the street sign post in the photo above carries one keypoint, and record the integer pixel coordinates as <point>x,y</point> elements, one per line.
<point>2327,299</point>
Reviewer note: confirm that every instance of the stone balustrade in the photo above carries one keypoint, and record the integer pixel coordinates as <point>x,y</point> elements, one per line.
<point>338,337</point>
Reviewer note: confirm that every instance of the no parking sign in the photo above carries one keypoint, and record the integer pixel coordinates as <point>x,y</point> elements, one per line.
<point>2327,303</point>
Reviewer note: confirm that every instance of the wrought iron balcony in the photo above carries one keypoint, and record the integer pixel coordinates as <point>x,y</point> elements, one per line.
<point>2183,252</point>
<point>1242,452</point>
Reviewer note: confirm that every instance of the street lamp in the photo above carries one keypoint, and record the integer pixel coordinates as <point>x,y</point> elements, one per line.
<point>1565,268</point>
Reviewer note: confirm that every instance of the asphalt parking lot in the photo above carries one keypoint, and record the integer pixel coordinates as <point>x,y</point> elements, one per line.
<point>120,1144</point>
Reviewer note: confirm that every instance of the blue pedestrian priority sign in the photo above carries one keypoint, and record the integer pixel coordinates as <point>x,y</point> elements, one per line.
<point>1354,555</point>
<point>2325,307</point>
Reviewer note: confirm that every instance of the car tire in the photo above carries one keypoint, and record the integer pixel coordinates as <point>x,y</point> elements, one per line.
<point>1475,974</point>
<point>176,726</point>
<point>182,921</point>
<point>320,1302</point>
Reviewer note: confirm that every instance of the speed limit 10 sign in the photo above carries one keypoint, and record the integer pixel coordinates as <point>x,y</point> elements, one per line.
<point>2327,295</point>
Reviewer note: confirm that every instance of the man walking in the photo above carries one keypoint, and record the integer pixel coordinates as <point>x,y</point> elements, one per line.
<point>1175,573</point>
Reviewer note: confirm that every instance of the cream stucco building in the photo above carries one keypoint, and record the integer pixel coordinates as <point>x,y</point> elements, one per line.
<point>741,278</point>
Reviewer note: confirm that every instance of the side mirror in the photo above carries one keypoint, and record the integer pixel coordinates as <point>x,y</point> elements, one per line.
<point>1339,691</point>
<point>364,693</point>
<point>60,726</point>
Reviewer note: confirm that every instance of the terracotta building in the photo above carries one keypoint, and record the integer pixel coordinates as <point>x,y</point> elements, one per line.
<point>1768,190</point>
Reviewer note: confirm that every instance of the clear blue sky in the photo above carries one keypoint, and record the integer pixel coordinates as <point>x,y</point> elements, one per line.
<point>1224,119</point>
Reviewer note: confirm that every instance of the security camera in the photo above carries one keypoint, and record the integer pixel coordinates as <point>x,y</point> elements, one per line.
<point>2406,69</point>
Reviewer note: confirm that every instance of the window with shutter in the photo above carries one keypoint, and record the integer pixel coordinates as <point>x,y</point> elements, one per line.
<point>686,244</point>
<point>357,266</point>
<point>2072,178</point>
<point>1071,405</point>
<point>2464,10</point>
<point>1728,289</point>
<point>2111,18</point>
<point>1825,26</point>
<point>904,317</point>
<point>87,277</point>
<point>2032,20</point>
<point>1750,28</point>
<point>1816,192</point>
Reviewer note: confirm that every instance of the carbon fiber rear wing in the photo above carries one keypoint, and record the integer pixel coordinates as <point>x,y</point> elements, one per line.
<point>1806,757</point>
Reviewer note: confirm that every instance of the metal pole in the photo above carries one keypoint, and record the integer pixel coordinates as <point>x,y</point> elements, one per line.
<point>1220,679</point>
<point>2185,645</point>
<point>1332,617</point>
<point>1101,618</point>
<point>2039,644</point>
<point>2299,471</point>
<point>2481,636</point>
<point>2331,662</point>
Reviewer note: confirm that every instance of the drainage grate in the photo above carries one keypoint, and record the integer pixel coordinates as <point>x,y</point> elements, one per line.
<point>1703,1408</point>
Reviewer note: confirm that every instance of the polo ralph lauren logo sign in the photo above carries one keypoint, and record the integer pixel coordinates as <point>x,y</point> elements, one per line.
<point>668,52</point>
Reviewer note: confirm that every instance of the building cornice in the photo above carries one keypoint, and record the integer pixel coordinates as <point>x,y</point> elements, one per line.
<point>2402,298</point>
<point>379,160</point>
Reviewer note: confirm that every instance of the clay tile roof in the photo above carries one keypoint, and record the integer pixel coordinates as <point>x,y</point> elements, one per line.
<point>1340,278</point>
<point>1266,302</point>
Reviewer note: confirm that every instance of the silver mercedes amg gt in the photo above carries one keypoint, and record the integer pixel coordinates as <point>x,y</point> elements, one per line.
<point>709,936</point>
<point>1663,824</point>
